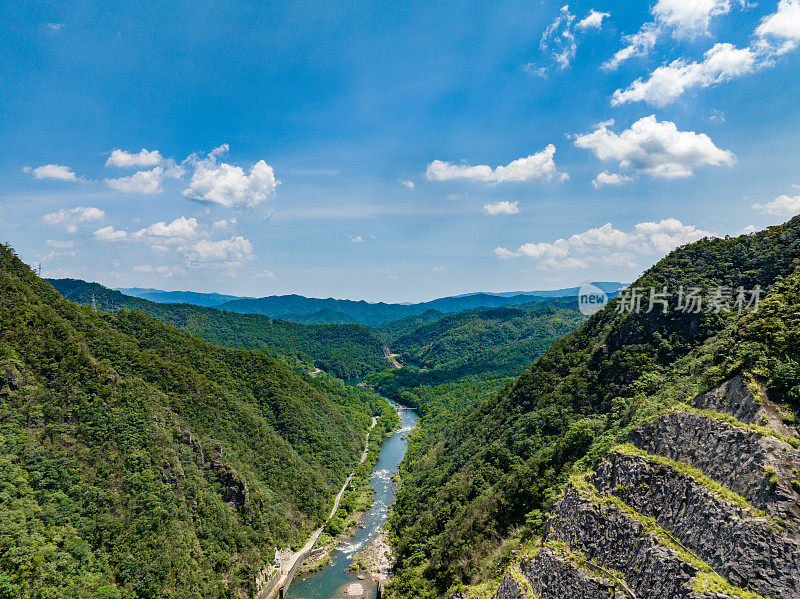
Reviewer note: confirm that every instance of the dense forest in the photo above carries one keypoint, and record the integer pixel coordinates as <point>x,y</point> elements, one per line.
<point>453,361</point>
<point>317,311</point>
<point>140,461</point>
<point>481,483</point>
<point>346,351</point>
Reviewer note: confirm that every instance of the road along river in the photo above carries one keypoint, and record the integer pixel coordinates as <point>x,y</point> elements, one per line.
<point>334,580</point>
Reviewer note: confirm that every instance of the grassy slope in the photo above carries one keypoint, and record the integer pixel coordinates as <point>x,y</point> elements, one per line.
<point>101,492</point>
<point>482,481</point>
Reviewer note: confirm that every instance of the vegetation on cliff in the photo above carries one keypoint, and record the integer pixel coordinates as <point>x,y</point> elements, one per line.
<point>138,460</point>
<point>483,481</point>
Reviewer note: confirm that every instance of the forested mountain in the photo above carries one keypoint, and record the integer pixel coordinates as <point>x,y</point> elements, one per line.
<point>476,490</point>
<point>304,309</point>
<point>138,460</point>
<point>456,361</point>
<point>209,300</point>
<point>347,351</point>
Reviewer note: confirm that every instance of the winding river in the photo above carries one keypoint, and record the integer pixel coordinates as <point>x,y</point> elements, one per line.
<point>333,580</point>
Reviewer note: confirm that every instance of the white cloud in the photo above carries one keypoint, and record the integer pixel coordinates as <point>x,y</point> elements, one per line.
<point>142,159</point>
<point>227,185</point>
<point>356,238</point>
<point>166,272</point>
<point>145,182</point>
<point>681,18</point>
<point>70,219</point>
<point>224,224</point>
<point>178,229</point>
<point>783,205</point>
<point>689,17</point>
<point>54,27</point>
<point>638,44</point>
<point>539,166</point>
<point>654,147</point>
<point>593,20</point>
<point>777,34</point>
<point>110,234</point>
<point>408,183</point>
<point>783,25</point>
<point>54,243</point>
<point>747,230</point>
<point>608,246</point>
<point>605,178</point>
<point>558,39</point>
<point>265,274</point>
<point>230,252</point>
<point>721,63</point>
<point>52,171</point>
<point>501,208</point>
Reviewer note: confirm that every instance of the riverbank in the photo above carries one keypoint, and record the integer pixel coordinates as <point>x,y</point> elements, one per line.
<point>289,568</point>
<point>336,580</point>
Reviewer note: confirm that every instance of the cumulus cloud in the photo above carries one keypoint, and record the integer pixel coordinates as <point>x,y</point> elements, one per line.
<point>654,147</point>
<point>110,234</point>
<point>408,183</point>
<point>536,167</point>
<point>224,224</point>
<point>783,205</point>
<point>681,18</point>
<point>688,18</point>
<point>503,207</point>
<point>52,171</point>
<point>179,229</point>
<point>145,182</point>
<point>142,159</point>
<point>227,185</point>
<point>782,27</point>
<point>233,251</point>
<point>166,272</point>
<point>777,34</point>
<point>594,20</point>
<point>70,219</point>
<point>605,178</point>
<point>188,238</point>
<point>356,238</point>
<point>608,246</point>
<point>721,63</point>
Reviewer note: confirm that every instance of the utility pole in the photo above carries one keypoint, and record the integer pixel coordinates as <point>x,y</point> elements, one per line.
<point>94,303</point>
<point>39,270</point>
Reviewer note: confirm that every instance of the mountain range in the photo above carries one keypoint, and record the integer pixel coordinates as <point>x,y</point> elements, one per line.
<point>298,308</point>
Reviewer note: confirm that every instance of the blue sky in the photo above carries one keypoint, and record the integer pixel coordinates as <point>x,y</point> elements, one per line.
<point>352,149</point>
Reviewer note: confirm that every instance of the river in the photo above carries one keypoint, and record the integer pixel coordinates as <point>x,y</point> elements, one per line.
<point>333,580</point>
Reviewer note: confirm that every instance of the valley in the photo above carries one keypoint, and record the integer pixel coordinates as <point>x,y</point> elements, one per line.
<point>538,429</point>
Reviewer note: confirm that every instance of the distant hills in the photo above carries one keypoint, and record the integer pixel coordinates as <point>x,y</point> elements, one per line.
<point>307,310</point>
<point>208,300</point>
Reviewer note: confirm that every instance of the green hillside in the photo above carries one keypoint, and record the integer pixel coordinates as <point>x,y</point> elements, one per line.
<point>140,461</point>
<point>346,351</point>
<point>477,486</point>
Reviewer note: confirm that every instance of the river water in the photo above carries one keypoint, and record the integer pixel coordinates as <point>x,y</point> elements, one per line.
<point>333,580</point>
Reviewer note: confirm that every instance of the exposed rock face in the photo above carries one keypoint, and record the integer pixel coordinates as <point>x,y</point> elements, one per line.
<point>604,533</point>
<point>732,397</point>
<point>548,572</point>
<point>234,489</point>
<point>648,527</point>
<point>738,458</point>
<point>746,549</point>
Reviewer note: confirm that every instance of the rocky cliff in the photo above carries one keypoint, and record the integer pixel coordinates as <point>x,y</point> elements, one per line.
<point>704,501</point>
